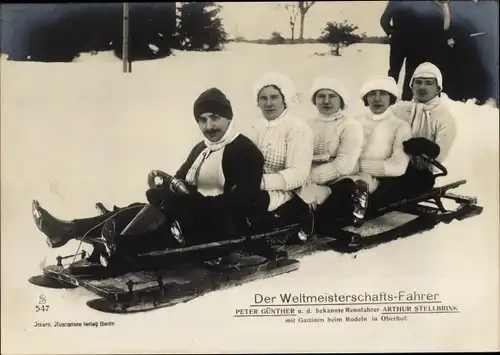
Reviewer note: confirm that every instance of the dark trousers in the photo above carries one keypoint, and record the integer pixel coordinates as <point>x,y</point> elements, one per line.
<point>199,223</point>
<point>413,183</point>
<point>417,48</point>
<point>397,56</point>
<point>336,211</point>
<point>291,212</point>
<point>147,240</point>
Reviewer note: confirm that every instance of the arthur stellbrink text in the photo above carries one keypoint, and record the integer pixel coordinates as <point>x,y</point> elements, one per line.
<point>336,308</point>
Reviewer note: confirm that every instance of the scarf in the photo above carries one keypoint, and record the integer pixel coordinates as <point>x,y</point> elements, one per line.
<point>419,109</point>
<point>332,117</point>
<point>422,111</point>
<point>277,121</point>
<point>381,116</point>
<point>194,171</point>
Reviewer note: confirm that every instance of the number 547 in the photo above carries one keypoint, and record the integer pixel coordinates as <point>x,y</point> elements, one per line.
<point>43,308</point>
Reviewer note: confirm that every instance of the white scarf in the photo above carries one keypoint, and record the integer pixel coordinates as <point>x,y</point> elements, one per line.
<point>418,108</point>
<point>229,136</point>
<point>381,116</point>
<point>332,117</point>
<point>277,121</point>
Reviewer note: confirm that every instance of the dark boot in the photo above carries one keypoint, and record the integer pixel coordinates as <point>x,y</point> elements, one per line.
<point>101,208</point>
<point>117,245</point>
<point>177,233</point>
<point>148,219</point>
<point>108,234</point>
<point>60,232</point>
<point>294,211</point>
<point>360,196</point>
<point>337,210</point>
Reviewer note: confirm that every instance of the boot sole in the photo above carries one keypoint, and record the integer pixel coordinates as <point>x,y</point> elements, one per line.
<point>37,216</point>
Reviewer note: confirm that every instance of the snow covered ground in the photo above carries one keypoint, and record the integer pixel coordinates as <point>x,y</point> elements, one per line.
<point>74,134</point>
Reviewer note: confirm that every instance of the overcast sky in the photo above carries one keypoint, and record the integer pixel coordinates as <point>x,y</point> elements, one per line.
<point>259,20</point>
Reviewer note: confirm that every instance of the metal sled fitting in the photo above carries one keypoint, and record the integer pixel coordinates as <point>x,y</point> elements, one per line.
<point>161,290</point>
<point>59,258</point>
<point>467,206</point>
<point>161,285</point>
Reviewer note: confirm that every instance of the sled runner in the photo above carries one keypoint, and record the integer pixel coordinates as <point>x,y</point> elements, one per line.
<point>166,277</point>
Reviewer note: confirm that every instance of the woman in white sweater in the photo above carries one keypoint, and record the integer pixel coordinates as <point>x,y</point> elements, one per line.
<point>383,153</point>
<point>383,159</point>
<point>287,145</point>
<point>338,141</point>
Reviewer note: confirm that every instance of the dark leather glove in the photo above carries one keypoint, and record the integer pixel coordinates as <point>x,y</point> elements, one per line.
<point>157,196</point>
<point>421,146</point>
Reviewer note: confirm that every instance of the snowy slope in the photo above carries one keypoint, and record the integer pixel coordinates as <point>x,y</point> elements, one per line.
<point>74,134</point>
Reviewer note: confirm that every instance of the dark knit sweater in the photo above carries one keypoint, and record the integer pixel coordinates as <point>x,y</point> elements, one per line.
<point>242,166</point>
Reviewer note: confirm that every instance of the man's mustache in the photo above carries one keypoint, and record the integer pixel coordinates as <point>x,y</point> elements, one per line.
<point>211,131</point>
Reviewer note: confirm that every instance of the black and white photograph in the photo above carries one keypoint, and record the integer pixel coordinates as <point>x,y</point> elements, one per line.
<point>254,177</point>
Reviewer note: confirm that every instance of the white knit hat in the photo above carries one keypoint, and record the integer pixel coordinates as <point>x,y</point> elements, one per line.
<point>385,83</point>
<point>283,82</point>
<point>428,70</point>
<point>328,82</point>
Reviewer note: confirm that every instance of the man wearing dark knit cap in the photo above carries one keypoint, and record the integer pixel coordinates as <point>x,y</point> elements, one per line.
<point>212,196</point>
<point>224,172</point>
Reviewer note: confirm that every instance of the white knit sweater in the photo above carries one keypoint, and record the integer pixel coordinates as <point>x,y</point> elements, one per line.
<point>383,154</point>
<point>287,145</point>
<point>432,121</point>
<point>338,141</point>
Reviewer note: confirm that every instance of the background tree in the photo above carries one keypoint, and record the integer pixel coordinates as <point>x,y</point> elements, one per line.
<point>277,38</point>
<point>199,27</point>
<point>91,29</point>
<point>293,12</point>
<point>304,7</point>
<point>150,32</point>
<point>340,35</point>
<point>154,30</point>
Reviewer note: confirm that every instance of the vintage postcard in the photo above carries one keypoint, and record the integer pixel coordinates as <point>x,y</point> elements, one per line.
<point>200,177</point>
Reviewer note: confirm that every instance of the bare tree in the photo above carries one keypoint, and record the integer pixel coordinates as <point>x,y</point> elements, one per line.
<point>304,7</point>
<point>295,9</point>
<point>293,12</point>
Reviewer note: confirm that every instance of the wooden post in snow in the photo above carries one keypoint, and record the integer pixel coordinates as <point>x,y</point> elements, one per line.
<point>127,67</point>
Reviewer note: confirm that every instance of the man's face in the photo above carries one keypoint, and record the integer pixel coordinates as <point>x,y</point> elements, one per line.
<point>271,102</point>
<point>378,101</point>
<point>327,101</point>
<point>425,89</point>
<point>213,126</point>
